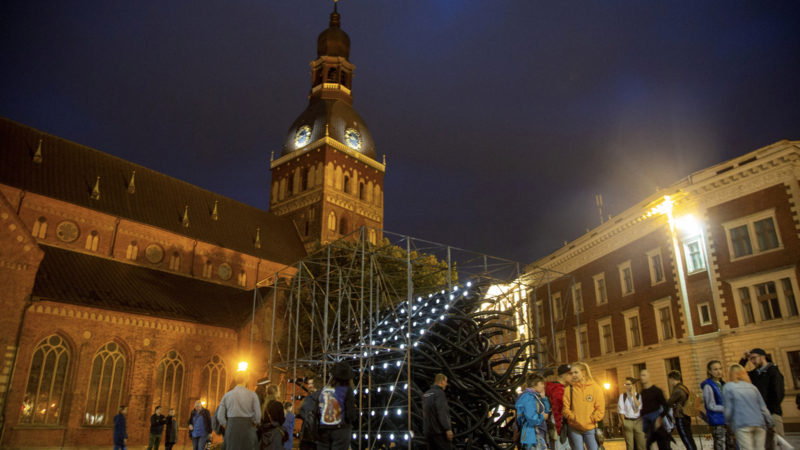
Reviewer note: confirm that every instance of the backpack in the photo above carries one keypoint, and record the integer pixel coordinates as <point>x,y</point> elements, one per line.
<point>693,405</point>
<point>330,410</point>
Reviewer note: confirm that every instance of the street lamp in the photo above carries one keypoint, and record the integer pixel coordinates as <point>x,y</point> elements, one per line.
<point>242,366</point>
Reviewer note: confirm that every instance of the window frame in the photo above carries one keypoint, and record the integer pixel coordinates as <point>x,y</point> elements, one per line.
<point>602,322</point>
<point>685,243</point>
<point>583,353</point>
<point>750,282</point>
<point>652,253</point>
<point>700,307</point>
<point>577,300</point>
<point>555,298</point>
<point>63,350</point>
<point>598,298</point>
<point>749,221</point>
<point>627,315</point>
<point>658,305</point>
<point>622,284</point>
<point>562,336</point>
<point>118,356</point>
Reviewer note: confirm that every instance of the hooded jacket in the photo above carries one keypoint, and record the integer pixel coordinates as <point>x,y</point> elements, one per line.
<point>555,393</point>
<point>584,405</point>
<point>531,408</point>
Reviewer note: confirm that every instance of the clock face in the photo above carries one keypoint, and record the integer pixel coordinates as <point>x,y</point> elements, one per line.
<point>352,138</point>
<point>67,231</point>
<point>225,271</point>
<point>303,136</point>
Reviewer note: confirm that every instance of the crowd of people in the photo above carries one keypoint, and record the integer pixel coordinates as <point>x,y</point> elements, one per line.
<point>742,412</point>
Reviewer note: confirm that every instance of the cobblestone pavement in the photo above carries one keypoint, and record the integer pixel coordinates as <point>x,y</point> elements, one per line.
<point>703,443</point>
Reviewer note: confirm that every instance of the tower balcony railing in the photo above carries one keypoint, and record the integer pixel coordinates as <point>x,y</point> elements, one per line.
<point>331,87</point>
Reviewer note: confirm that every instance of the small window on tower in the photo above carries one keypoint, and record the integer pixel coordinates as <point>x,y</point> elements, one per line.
<point>343,226</point>
<point>361,193</point>
<point>333,76</point>
<point>347,184</point>
<point>304,179</point>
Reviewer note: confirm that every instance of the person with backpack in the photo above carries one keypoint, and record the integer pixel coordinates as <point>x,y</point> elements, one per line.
<point>335,410</point>
<point>436,425</point>
<point>629,407</point>
<point>533,410</point>
<point>307,414</point>
<point>271,432</point>
<point>584,406</point>
<point>715,411</point>
<point>682,405</point>
<point>769,380</point>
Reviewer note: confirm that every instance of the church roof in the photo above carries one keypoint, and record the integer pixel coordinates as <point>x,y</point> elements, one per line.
<point>71,277</point>
<point>68,171</point>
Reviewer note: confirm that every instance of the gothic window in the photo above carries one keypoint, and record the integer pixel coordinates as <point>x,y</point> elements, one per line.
<point>361,194</point>
<point>332,221</point>
<point>208,268</point>
<point>133,251</point>
<point>292,187</point>
<point>213,382</point>
<point>175,261</point>
<point>343,226</point>
<point>92,240</point>
<point>338,178</point>
<point>105,385</point>
<point>47,381</point>
<point>242,279</point>
<point>40,228</point>
<point>308,181</point>
<point>169,382</point>
<point>347,184</point>
<point>377,195</point>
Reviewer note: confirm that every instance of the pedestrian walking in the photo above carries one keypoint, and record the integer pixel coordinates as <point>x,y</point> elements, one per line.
<point>584,406</point>
<point>678,398</point>
<point>288,424</point>
<point>170,430</point>
<point>769,380</point>
<point>654,410</point>
<point>121,429</point>
<point>239,412</point>
<point>629,407</point>
<point>555,393</point>
<point>715,412</point>
<point>271,431</point>
<point>436,425</point>
<point>745,410</point>
<point>157,421</point>
<point>307,413</point>
<point>533,411</point>
<point>199,426</point>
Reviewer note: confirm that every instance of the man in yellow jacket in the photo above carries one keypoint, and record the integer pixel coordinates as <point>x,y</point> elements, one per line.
<point>584,406</point>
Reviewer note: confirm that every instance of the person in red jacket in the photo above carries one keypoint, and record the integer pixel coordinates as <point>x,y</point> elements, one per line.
<point>555,393</point>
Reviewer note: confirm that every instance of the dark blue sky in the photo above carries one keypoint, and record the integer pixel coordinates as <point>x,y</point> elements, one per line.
<point>500,119</point>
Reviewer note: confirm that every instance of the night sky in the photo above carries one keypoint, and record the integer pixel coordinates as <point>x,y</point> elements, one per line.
<point>500,120</point>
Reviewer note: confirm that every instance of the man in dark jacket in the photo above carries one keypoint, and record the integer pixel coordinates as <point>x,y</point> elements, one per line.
<point>170,430</point>
<point>436,415</point>
<point>121,429</point>
<point>157,421</point>
<point>769,381</point>
<point>200,426</point>
<point>308,410</point>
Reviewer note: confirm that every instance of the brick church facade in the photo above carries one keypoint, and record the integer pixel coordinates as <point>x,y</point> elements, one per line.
<point>122,285</point>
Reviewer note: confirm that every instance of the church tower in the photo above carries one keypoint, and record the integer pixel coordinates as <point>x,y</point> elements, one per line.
<point>327,178</point>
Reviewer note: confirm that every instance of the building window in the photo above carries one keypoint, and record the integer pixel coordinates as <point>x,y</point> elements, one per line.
<point>600,288</point>
<point>656,267</point>
<point>633,328</point>
<point>92,240</point>
<point>753,234</point>
<point>208,269</point>
<point>539,313</point>
<point>794,367</point>
<point>343,225</point>
<point>606,335</point>
<point>47,381</point>
<point>40,228</point>
<point>766,296</point>
<point>788,294</point>
<point>347,184</point>
<point>704,311</point>
<point>558,307</point>
<point>304,179</point>
<point>175,261</point>
<point>626,278</point>
<point>582,338</point>
<point>242,279</point>
<point>746,306</point>
<point>373,236</point>
<point>561,347</point>
<point>169,382</point>
<point>695,259</point>
<point>671,364</point>
<point>663,312</point>
<point>361,193</point>
<point>133,251</point>
<point>577,296</point>
<point>638,368</point>
<point>213,382</point>
<point>332,221</point>
<point>105,385</point>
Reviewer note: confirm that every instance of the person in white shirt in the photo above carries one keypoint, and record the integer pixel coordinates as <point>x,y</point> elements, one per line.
<point>630,407</point>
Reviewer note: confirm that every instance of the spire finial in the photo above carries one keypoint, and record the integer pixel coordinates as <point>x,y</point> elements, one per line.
<point>326,130</point>
<point>185,220</point>
<point>215,211</point>
<point>132,184</point>
<point>257,243</point>
<point>37,156</point>
<point>335,20</point>
<point>95,195</point>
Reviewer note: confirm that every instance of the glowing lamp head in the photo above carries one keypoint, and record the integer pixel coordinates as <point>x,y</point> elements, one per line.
<point>242,366</point>
<point>607,386</point>
<point>689,225</point>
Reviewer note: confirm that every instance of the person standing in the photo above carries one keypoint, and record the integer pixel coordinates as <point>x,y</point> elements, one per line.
<point>745,410</point>
<point>307,414</point>
<point>436,424</point>
<point>271,430</point>
<point>654,408</point>
<point>157,421</point>
<point>170,430</point>
<point>288,424</point>
<point>199,426</point>
<point>555,393</point>
<point>769,381</point>
<point>239,412</point>
<point>121,429</point>
<point>629,407</point>
<point>533,410</point>
<point>679,395</point>
<point>584,406</point>
<point>715,412</point>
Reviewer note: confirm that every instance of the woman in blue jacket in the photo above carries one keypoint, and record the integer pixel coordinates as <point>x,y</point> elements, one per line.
<point>533,410</point>
<point>715,412</point>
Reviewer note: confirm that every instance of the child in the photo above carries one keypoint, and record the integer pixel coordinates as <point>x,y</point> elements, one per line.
<point>533,410</point>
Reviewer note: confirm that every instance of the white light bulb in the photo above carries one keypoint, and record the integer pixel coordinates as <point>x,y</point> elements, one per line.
<point>433,311</point>
<point>379,436</point>
<point>416,344</point>
<point>399,411</point>
<point>365,436</point>
<point>405,386</point>
<point>441,317</point>
<point>391,388</point>
<point>403,311</point>
<point>379,388</point>
<point>391,329</point>
<point>455,288</point>
<point>380,332</point>
<point>452,297</point>
<point>366,391</point>
<point>385,412</point>
<point>428,320</point>
<point>422,332</point>
<point>354,436</point>
<point>385,365</point>
<point>398,363</point>
<point>469,283</point>
<point>391,437</point>
<point>446,306</point>
<point>372,413</point>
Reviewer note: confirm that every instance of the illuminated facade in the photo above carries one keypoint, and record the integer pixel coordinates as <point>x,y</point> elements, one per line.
<point>704,269</point>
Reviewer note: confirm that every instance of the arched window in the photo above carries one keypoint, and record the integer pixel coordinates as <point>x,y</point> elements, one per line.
<point>40,228</point>
<point>169,382</point>
<point>133,251</point>
<point>333,75</point>
<point>175,261</point>
<point>292,189</point>
<point>361,194</point>
<point>242,278</point>
<point>92,240</point>
<point>208,268</point>
<point>347,184</point>
<point>46,383</point>
<point>343,226</point>
<point>213,382</point>
<point>105,385</point>
<point>304,179</point>
<point>332,221</point>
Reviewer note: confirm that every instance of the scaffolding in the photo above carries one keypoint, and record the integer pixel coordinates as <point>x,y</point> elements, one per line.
<point>399,310</point>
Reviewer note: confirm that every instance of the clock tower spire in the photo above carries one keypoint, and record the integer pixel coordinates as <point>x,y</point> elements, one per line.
<point>328,178</point>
